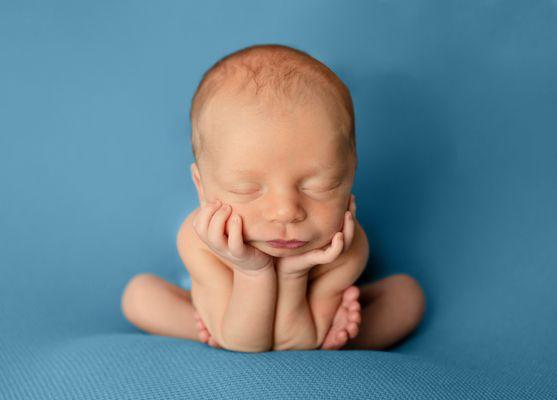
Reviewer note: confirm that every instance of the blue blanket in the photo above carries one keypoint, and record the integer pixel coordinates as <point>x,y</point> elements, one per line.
<point>456,125</point>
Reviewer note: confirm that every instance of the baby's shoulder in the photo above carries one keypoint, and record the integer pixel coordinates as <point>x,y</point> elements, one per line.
<point>185,239</point>
<point>189,245</point>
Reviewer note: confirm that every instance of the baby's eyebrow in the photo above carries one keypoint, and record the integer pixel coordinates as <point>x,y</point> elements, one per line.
<point>313,171</point>
<point>242,171</point>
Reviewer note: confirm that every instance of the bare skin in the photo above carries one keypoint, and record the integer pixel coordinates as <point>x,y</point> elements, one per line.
<point>390,309</point>
<point>288,175</point>
<point>345,323</point>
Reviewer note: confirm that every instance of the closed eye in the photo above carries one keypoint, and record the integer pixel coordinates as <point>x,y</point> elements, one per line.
<point>326,188</point>
<point>243,193</point>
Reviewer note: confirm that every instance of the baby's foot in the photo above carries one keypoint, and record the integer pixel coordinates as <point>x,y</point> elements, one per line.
<point>203,332</point>
<point>346,322</point>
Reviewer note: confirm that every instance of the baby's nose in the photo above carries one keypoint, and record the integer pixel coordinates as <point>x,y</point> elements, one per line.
<point>285,212</point>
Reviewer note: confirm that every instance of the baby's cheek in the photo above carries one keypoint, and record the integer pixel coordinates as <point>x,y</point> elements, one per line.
<point>247,224</point>
<point>325,236</point>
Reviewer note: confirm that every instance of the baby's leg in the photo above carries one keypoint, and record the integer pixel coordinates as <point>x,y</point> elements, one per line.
<point>345,322</point>
<point>159,307</point>
<point>391,309</point>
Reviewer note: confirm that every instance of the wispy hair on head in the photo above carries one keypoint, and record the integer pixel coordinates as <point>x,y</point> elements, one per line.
<point>273,73</point>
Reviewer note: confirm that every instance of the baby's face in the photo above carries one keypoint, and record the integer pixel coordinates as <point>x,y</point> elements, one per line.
<point>287,174</point>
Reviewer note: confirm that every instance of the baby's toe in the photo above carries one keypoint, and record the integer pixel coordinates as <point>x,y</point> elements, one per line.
<point>355,306</point>
<point>352,329</point>
<point>342,338</point>
<point>355,316</point>
<point>350,295</point>
<point>204,336</point>
<point>203,333</point>
<point>211,342</point>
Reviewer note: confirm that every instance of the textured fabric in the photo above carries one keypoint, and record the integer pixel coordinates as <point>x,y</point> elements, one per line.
<point>456,186</point>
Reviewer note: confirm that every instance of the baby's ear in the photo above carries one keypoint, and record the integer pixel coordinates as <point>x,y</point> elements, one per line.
<point>196,178</point>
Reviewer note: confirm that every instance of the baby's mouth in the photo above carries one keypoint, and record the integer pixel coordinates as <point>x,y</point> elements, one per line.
<point>286,244</point>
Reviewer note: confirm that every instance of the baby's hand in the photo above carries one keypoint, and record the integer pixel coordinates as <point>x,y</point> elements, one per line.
<point>302,263</point>
<point>209,225</point>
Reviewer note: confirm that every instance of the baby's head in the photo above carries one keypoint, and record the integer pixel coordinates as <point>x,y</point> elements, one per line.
<point>273,136</point>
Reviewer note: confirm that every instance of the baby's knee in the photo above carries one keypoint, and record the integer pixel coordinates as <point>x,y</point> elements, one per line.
<point>134,293</point>
<point>410,296</point>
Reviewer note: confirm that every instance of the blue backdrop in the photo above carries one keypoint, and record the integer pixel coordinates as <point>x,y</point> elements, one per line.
<point>456,122</point>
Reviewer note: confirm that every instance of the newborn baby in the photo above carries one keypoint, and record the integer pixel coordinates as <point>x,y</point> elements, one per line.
<point>274,249</point>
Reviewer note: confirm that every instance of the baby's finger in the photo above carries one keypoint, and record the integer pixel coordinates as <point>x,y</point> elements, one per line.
<point>235,237</point>
<point>203,217</point>
<point>352,207</point>
<point>332,252</point>
<point>215,232</point>
<point>348,230</point>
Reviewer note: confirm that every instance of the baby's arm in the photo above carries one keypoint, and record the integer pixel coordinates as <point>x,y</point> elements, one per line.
<point>294,326</point>
<point>238,312</point>
<point>236,306</point>
<point>305,311</point>
<point>326,291</point>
